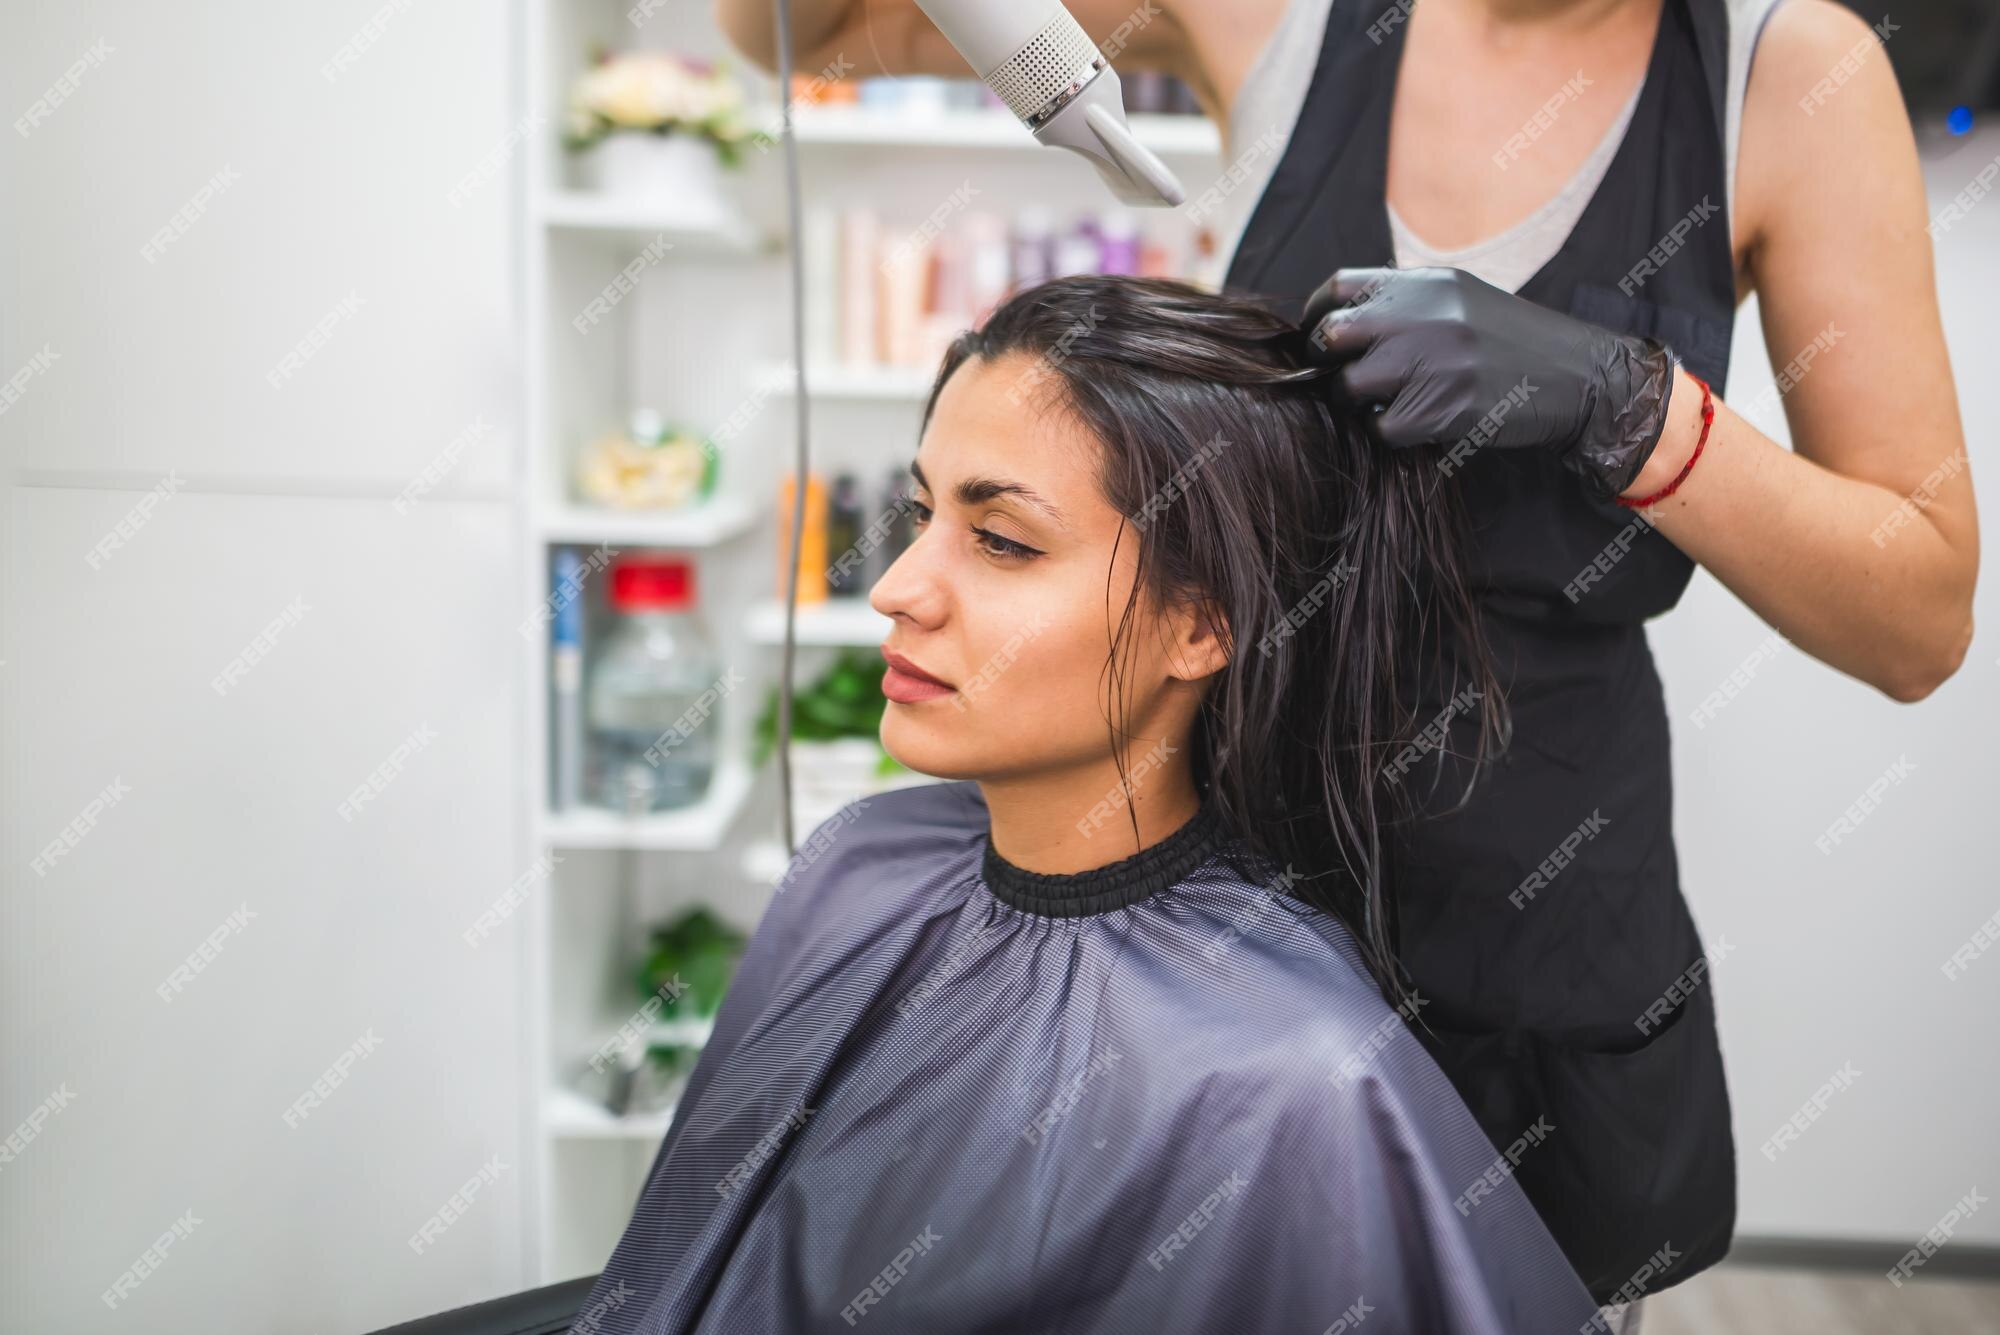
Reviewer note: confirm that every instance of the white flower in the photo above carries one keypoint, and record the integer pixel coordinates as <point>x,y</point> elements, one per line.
<point>655,91</point>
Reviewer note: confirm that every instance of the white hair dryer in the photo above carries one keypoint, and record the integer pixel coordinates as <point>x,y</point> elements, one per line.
<point>1035,55</point>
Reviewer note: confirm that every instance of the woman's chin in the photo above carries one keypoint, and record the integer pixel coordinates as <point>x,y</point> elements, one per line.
<point>919,737</point>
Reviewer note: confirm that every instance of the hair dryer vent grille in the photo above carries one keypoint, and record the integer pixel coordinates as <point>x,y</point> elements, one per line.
<point>1058,58</point>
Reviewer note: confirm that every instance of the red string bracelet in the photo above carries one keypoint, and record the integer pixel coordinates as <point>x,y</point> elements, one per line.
<point>1707,420</point>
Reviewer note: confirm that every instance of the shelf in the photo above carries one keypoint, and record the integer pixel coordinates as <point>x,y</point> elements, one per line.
<point>691,1032</point>
<point>568,1115</point>
<point>836,622</point>
<point>700,828</point>
<point>709,525</point>
<point>704,232</point>
<point>854,126</point>
<point>765,861</point>
<point>894,384</point>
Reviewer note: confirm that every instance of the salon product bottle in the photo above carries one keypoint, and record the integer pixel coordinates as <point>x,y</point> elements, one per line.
<point>880,95</point>
<point>922,98</point>
<point>896,515</point>
<point>812,543</point>
<point>1205,265</point>
<point>653,694</point>
<point>948,310</point>
<point>1132,91</point>
<point>845,573</point>
<point>1076,251</point>
<point>1118,243</point>
<point>1031,246</point>
<point>986,266</point>
<point>858,254</point>
<point>820,247</point>
<point>566,740</point>
<point>902,281</point>
<point>809,90</point>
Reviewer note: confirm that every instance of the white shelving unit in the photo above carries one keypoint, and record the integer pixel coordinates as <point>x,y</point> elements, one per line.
<point>831,624</point>
<point>702,332</point>
<point>865,128</point>
<point>701,828</point>
<point>881,384</point>
<point>568,1115</point>
<point>703,526</point>
<point>699,232</point>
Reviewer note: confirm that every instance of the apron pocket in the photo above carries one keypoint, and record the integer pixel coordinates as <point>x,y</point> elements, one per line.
<point>1611,1167</point>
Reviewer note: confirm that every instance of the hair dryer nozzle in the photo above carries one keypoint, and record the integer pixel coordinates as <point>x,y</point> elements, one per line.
<point>1035,55</point>
<point>1093,124</point>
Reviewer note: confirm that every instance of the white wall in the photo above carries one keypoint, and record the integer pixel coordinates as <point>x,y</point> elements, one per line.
<point>340,188</point>
<point>1837,958</point>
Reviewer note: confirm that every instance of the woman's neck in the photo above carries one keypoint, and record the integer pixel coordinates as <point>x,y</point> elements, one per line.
<point>1566,14</point>
<point>1078,821</point>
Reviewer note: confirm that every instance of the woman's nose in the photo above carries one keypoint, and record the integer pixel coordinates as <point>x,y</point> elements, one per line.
<point>912,588</point>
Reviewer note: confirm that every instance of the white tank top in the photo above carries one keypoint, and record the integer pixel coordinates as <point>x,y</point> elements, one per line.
<point>1274,90</point>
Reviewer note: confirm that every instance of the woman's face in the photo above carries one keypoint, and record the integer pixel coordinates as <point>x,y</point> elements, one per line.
<point>1011,592</point>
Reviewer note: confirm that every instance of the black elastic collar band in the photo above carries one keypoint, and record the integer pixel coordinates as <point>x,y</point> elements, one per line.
<point>1113,886</point>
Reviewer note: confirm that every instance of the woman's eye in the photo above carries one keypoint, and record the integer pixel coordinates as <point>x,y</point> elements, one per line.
<point>988,541</point>
<point>1006,547</point>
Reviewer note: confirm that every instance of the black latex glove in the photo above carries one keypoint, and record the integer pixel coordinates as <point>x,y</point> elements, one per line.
<point>1453,361</point>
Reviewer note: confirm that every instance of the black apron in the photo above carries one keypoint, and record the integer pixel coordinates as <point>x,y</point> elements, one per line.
<point>1543,919</point>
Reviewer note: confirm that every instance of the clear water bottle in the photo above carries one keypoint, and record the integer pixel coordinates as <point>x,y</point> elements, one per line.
<point>652,698</point>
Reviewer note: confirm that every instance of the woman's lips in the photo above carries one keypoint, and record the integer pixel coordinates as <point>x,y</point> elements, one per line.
<point>906,684</point>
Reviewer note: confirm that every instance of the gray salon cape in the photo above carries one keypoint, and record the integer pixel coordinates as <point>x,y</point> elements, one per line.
<point>945,1095</point>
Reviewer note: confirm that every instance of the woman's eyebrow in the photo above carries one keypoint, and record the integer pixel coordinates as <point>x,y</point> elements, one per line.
<point>973,490</point>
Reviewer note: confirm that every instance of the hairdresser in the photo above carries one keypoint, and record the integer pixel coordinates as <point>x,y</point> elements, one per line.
<point>1522,229</point>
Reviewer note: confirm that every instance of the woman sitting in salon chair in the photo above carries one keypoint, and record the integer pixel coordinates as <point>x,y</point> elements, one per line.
<point>1107,1035</point>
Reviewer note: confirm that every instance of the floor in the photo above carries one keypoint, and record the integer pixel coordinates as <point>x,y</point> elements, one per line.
<point>1731,1299</point>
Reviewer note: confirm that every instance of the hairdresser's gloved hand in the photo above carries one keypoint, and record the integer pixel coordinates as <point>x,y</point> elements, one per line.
<point>1437,357</point>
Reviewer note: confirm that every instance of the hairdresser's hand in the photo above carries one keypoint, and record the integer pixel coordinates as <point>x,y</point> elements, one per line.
<point>1437,357</point>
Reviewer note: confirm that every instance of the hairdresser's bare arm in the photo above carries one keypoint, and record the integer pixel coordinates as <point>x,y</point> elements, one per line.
<point>1863,546</point>
<point>876,37</point>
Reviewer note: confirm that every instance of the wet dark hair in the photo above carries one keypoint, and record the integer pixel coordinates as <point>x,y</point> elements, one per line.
<point>1332,562</point>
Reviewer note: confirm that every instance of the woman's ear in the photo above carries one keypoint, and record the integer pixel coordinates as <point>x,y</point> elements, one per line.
<point>1197,640</point>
